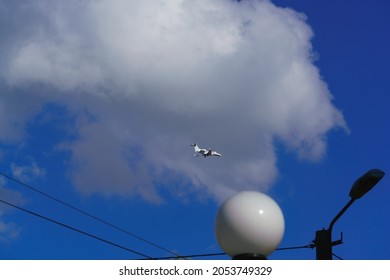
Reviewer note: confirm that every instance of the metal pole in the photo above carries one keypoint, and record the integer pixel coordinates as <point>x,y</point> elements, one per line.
<point>323,240</point>
<point>340,213</point>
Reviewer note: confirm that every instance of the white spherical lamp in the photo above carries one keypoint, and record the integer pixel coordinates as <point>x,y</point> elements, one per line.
<point>249,225</point>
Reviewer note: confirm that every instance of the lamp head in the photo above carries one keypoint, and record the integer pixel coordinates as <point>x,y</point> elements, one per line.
<point>365,183</point>
<point>249,225</point>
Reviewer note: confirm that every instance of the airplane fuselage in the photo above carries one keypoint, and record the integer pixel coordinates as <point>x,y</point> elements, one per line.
<point>204,152</point>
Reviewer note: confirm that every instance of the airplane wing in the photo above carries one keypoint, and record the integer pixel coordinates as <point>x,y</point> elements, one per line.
<point>214,153</point>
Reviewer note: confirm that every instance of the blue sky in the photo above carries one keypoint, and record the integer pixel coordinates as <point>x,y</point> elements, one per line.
<point>100,101</point>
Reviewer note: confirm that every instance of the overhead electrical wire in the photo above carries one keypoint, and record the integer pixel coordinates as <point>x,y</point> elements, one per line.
<point>146,257</point>
<point>190,256</point>
<point>176,256</point>
<point>88,214</point>
<point>337,256</point>
<point>222,254</point>
<point>75,229</point>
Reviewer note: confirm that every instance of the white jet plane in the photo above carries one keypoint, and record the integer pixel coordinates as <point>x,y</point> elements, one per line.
<point>204,152</point>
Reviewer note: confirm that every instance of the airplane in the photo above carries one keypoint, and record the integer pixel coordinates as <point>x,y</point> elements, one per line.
<point>204,152</point>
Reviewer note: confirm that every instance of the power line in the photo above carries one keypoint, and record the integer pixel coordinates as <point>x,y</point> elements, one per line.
<point>337,256</point>
<point>189,256</point>
<point>133,251</point>
<point>87,214</point>
<point>74,229</point>
<point>310,246</point>
<point>176,256</point>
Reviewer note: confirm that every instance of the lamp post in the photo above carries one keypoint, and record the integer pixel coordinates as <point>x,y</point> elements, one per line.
<point>323,239</point>
<point>249,226</point>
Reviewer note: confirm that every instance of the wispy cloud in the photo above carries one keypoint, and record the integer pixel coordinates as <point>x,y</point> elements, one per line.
<point>27,172</point>
<point>155,76</point>
<point>8,230</point>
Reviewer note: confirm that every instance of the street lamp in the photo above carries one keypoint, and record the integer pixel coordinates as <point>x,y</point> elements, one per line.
<point>323,240</point>
<point>249,226</point>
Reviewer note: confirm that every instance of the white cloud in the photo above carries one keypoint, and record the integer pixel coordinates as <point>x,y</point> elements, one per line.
<point>8,230</point>
<point>27,172</point>
<point>159,75</point>
<point>14,113</point>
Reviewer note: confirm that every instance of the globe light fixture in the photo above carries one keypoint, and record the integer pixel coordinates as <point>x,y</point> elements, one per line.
<point>249,225</point>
